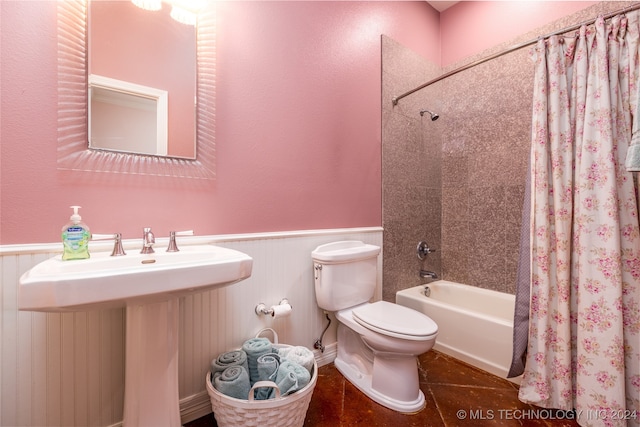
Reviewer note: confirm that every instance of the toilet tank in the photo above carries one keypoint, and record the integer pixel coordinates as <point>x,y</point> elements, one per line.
<point>345,273</point>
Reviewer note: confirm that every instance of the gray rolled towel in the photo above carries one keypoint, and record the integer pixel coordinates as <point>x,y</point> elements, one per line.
<point>233,381</point>
<point>230,358</point>
<point>268,365</point>
<point>256,347</point>
<point>291,377</point>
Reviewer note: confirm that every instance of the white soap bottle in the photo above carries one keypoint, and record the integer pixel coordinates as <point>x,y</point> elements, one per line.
<point>75,237</point>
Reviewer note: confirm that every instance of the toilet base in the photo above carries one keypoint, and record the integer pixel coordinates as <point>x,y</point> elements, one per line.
<point>363,382</point>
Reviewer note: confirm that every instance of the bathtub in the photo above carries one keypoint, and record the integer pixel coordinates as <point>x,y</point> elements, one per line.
<point>475,325</point>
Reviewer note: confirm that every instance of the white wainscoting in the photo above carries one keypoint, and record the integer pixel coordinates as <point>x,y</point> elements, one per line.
<point>68,369</point>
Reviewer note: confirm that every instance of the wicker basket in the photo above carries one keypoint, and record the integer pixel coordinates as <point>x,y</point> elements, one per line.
<point>287,411</point>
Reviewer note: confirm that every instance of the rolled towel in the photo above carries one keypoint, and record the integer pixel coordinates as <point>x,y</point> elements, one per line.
<point>299,354</point>
<point>267,370</point>
<point>291,377</point>
<point>233,381</point>
<point>256,347</point>
<point>230,358</point>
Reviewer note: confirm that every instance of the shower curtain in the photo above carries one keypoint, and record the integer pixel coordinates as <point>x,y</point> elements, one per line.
<point>584,329</point>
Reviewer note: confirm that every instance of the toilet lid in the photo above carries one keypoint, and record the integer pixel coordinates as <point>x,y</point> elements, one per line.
<point>395,320</point>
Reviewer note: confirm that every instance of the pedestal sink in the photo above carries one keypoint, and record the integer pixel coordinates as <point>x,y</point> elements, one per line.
<point>149,287</point>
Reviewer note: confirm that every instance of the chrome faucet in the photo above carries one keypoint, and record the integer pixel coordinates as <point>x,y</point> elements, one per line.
<point>426,274</point>
<point>173,247</point>
<point>148,239</point>
<point>118,250</point>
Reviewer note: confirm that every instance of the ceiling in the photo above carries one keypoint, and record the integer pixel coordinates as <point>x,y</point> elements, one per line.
<point>441,5</point>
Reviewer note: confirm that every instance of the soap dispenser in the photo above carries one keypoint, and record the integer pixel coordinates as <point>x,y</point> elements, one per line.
<point>75,237</point>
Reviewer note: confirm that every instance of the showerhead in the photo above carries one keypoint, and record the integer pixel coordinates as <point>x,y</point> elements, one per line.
<point>434,116</point>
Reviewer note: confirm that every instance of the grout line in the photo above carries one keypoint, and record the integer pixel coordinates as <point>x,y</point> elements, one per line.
<point>344,390</point>
<point>484,387</point>
<point>435,402</point>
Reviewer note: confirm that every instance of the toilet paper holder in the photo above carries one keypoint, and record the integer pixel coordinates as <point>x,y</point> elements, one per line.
<point>262,308</point>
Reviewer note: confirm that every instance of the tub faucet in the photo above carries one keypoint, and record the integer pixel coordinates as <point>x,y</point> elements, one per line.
<point>426,274</point>
<point>148,239</point>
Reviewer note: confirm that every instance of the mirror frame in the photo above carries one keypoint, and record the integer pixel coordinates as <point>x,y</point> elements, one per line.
<point>73,143</point>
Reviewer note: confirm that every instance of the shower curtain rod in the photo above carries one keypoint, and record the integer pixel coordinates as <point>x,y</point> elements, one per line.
<point>511,49</point>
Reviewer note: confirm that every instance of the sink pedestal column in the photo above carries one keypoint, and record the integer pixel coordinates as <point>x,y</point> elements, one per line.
<point>151,395</point>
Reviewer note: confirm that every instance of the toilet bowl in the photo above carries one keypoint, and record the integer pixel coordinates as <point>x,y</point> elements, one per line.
<point>378,342</point>
<point>381,360</point>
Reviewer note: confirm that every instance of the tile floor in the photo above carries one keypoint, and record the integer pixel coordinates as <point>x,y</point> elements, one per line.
<point>457,395</point>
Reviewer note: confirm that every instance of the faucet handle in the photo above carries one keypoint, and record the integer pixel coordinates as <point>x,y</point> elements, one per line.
<point>424,250</point>
<point>118,250</point>
<point>173,247</point>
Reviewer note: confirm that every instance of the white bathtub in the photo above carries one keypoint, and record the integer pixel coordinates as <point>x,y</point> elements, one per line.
<point>475,325</point>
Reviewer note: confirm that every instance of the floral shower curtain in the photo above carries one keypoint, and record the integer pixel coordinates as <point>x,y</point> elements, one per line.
<point>584,327</point>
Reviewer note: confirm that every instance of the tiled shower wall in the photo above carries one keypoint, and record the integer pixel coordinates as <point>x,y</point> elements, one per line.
<point>458,182</point>
<point>411,175</point>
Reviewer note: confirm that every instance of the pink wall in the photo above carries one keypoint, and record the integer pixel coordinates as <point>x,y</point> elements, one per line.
<point>298,118</point>
<point>298,125</point>
<point>470,27</point>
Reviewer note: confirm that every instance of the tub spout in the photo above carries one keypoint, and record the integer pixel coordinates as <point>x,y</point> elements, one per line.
<point>426,274</point>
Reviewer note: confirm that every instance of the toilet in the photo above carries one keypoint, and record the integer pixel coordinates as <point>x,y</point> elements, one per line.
<point>378,342</point>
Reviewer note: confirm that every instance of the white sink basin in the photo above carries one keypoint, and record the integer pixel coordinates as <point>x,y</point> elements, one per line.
<point>149,286</point>
<point>104,281</point>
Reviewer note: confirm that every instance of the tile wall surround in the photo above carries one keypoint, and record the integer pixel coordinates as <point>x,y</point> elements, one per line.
<point>458,182</point>
<point>68,369</point>
<point>411,176</point>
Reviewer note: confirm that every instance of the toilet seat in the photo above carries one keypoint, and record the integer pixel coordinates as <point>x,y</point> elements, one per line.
<point>395,321</point>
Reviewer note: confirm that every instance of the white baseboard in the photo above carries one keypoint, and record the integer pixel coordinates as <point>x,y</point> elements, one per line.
<point>326,357</point>
<point>195,406</point>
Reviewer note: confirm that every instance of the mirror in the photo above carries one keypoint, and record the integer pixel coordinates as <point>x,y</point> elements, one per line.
<point>73,103</point>
<point>130,118</point>
<point>142,80</point>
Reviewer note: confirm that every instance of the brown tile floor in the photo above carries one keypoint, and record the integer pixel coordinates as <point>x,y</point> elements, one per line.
<point>457,395</point>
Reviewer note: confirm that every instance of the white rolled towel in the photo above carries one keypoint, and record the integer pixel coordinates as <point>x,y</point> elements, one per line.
<point>299,354</point>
